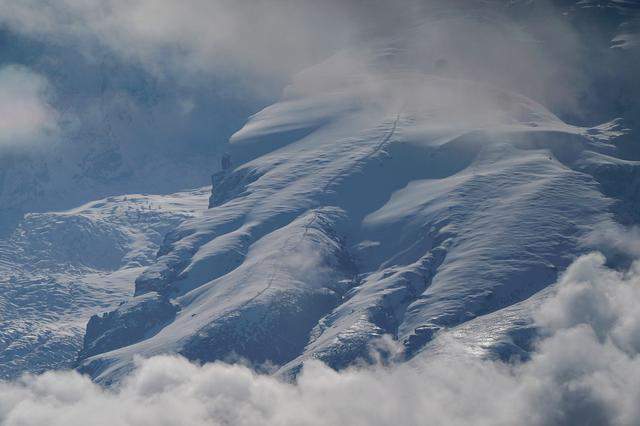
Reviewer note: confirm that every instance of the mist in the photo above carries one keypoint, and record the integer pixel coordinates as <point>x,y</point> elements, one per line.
<point>131,81</point>
<point>538,54</point>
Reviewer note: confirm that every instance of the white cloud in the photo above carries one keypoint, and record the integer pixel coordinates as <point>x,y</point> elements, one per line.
<point>25,114</point>
<point>198,36</point>
<point>615,239</point>
<point>273,39</point>
<point>586,371</point>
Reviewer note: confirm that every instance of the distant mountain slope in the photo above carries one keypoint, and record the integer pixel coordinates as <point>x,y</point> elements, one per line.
<point>58,269</point>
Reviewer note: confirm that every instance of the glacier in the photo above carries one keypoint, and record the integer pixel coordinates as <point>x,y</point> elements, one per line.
<point>57,269</point>
<point>373,200</point>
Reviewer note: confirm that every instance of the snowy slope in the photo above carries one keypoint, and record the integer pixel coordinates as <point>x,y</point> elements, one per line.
<point>379,196</point>
<point>57,269</point>
<point>366,211</point>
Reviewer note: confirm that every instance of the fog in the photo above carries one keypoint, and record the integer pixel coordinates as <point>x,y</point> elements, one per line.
<point>165,84</point>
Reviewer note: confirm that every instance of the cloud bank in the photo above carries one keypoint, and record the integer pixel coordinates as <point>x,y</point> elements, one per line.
<point>586,370</point>
<point>536,54</point>
<point>194,36</point>
<point>25,114</point>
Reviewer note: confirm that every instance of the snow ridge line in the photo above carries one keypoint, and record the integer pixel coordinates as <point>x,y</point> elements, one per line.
<point>377,149</point>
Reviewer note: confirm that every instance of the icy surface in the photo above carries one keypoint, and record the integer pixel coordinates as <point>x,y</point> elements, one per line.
<point>58,269</point>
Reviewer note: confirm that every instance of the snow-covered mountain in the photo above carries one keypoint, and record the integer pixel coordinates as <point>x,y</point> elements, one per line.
<point>396,189</point>
<point>364,221</point>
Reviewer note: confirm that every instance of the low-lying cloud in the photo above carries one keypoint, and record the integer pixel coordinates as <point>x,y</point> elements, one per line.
<point>274,39</point>
<point>586,370</point>
<point>26,116</point>
<point>196,36</point>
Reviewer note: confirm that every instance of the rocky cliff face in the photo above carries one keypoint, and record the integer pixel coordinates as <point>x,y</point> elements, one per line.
<point>129,323</point>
